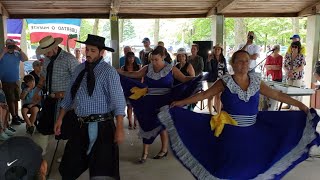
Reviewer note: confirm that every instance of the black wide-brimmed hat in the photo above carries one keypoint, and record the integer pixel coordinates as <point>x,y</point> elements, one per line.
<point>96,41</point>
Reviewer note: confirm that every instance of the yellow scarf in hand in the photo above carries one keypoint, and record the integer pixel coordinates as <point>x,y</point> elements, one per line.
<point>138,92</point>
<point>218,121</point>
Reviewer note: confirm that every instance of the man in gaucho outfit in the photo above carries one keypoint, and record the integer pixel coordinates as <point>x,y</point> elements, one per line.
<point>95,94</point>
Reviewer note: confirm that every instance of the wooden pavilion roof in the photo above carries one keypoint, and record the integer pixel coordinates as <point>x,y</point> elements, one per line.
<point>157,8</point>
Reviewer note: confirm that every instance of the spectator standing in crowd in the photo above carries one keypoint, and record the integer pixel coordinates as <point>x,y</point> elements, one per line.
<point>273,64</point>
<point>56,74</point>
<point>127,49</point>
<point>5,132</point>
<point>294,66</point>
<point>83,52</point>
<point>95,92</point>
<point>252,49</point>
<point>217,67</point>
<point>185,67</point>
<point>37,67</point>
<point>144,54</point>
<point>130,65</point>
<point>21,159</point>
<point>196,60</point>
<point>168,58</point>
<point>78,55</point>
<point>296,38</point>
<point>10,59</point>
<point>28,106</point>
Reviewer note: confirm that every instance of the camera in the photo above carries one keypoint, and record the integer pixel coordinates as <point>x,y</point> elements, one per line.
<point>11,46</point>
<point>251,37</point>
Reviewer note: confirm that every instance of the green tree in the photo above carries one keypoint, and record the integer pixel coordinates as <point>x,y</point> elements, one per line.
<point>86,28</point>
<point>128,30</point>
<point>104,29</point>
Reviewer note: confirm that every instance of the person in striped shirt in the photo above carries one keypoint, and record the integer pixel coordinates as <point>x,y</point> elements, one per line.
<point>96,95</point>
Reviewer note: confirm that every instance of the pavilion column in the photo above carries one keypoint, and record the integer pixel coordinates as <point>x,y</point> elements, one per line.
<point>312,41</point>
<point>114,24</point>
<point>217,29</point>
<point>3,30</point>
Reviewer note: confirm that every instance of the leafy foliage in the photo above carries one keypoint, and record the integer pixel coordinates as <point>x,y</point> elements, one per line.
<point>86,27</point>
<point>128,30</point>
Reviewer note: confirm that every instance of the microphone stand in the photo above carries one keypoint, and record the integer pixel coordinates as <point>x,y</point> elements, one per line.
<point>252,70</point>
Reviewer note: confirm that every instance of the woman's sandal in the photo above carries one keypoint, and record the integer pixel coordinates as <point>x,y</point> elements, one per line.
<point>143,158</point>
<point>161,155</point>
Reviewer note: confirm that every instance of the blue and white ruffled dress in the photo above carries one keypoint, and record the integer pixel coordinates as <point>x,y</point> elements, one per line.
<point>263,145</point>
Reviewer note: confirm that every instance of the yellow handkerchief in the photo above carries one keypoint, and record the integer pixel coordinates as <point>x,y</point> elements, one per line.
<point>138,92</point>
<point>218,121</point>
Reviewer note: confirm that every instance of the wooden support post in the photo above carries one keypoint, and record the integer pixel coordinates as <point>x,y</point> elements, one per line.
<point>114,23</point>
<point>217,29</point>
<point>313,39</point>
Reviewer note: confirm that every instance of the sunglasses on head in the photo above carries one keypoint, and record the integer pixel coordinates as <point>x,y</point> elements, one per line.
<point>294,46</point>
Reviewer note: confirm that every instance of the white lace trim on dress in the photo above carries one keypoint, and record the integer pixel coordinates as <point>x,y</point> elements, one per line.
<point>234,88</point>
<point>158,75</point>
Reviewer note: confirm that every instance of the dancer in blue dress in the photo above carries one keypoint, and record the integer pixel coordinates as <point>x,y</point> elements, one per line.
<point>240,142</point>
<point>156,91</point>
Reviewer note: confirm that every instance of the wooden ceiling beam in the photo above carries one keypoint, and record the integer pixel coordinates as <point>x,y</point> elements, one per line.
<point>235,15</point>
<point>310,10</point>
<point>4,11</point>
<point>115,6</point>
<point>223,5</point>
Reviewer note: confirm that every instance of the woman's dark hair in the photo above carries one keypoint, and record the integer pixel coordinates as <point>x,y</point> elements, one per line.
<point>221,56</point>
<point>234,55</point>
<point>159,50</point>
<point>126,64</point>
<point>298,44</point>
<point>317,68</point>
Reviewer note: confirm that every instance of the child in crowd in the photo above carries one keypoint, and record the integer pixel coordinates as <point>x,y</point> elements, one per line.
<point>28,106</point>
<point>5,133</point>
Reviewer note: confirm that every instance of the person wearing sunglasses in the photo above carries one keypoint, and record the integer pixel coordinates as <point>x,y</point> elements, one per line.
<point>296,38</point>
<point>294,65</point>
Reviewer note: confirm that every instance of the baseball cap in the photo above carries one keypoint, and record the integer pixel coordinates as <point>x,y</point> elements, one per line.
<point>145,40</point>
<point>295,36</point>
<point>20,158</point>
<point>11,41</point>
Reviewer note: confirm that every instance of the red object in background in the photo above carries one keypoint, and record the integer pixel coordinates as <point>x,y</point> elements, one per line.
<point>37,36</point>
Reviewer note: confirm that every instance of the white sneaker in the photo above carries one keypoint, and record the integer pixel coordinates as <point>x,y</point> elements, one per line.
<point>3,136</point>
<point>8,132</point>
<point>59,160</point>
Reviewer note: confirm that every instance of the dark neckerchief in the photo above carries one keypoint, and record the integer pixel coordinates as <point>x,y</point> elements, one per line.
<point>91,80</point>
<point>50,70</point>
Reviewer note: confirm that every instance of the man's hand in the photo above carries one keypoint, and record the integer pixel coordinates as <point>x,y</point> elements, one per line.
<point>119,135</point>
<point>17,48</point>
<point>57,127</point>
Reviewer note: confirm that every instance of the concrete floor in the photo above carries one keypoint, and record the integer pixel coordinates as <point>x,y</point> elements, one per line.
<point>165,169</point>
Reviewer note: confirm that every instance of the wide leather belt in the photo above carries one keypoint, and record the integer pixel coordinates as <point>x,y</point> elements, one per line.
<point>57,95</point>
<point>96,118</point>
